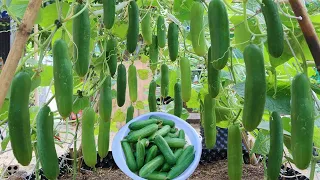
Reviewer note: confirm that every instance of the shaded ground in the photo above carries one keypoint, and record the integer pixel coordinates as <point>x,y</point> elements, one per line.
<point>218,170</point>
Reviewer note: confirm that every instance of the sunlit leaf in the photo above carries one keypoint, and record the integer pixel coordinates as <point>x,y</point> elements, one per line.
<point>143,74</point>
<point>262,143</point>
<point>119,116</point>
<point>139,105</point>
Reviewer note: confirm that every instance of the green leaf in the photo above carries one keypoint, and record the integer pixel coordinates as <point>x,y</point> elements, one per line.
<point>80,103</point>
<point>120,29</point>
<point>4,110</point>
<point>172,81</point>
<point>223,124</point>
<point>33,112</point>
<point>185,114</point>
<point>316,136</point>
<point>266,126</point>
<point>139,105</point>
<point>113,127</point>
<point>5,142</point>
<point>286,123</point>
<point>18,7</point>
<point>143,74</point>
<point>36,81</point>
<point>46,75</point>
<point>144,58</point>
<point>114,93</point>
<point>119,116</point>
<point>182,9</point>
<point>193,102</point>
<point>262,143</point>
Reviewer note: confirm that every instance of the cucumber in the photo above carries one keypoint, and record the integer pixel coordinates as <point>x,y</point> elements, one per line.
<point>219,33</point>
<point>109,11</point>
<point>152,153</point>
<point>19,118</point>
<point>173,41</point>
<point>234,152</point>
<point>164,80</point>
<point>189,150</point>
<point>141,124</point>
<point>223,114</point>
<point>173,130</point>
<point>177,100</point>
<point>62,74</point>
<point>130,160</point>
<point>111,52</point>
<point>103,138</point>
<point>274,28</point>
<point>197,29</point>
<point>133,28</point>
<point>181,134</point>
<point>105,99</point>
<point>302,121</point>
<point>165,149</point>
<point>255,87</point>
<point>161,32</point>
<point>132,81</point>
<point>141,152</point>
<point>130,112</point>
<point>145,142</point>
<point>88,141</point>
<point>172,135</point>
<point>185,79</point>
<point>175,142</point>
<point>151,166</point>
<point>209,121</point>
<point>121,84</point>
<point>180,168</point>
<point>162,132</point>
<point>213,77</point>
<point>142,133</point>
<point>276,146</point>
<point>81,39</point>
<point>152,99</point>
<point>146,28</point>
<point>154,53</point>
<point>164,121</point>
<point>166,167</point>
<point>45,143</point>
<point>155,175</point>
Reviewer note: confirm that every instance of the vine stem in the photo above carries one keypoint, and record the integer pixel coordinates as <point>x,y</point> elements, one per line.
<point>74,175</point>
<point>76,15</point>
<point>232,8</point>
<point>246,21</point>
<point>37,161</point>
<point>313,167</point>
<point>49,101</point>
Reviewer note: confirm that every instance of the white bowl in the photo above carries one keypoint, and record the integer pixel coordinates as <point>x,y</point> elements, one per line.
<point>192,138</point>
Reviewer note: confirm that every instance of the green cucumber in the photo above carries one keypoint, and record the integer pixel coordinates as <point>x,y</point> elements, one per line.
<point>165,149</point>
<point>111,53</point>
<point>161,32</point>
<point>162,132</point>
<point>234,152</point>
<point>173,130</point>
<point>157,175</point>
<point>185,79</point>
<point>152,99</point>
<point>121,84</point>
<point>133,82</point>
<point>152,153</point>
<point>189,150</point>
<point>180,168</point>
<point>197,29</point>
<point>151,166</point>
<point>141,124</point>
<point>177,100</point>
<point>103,138</point>
<point>172,135</point>
<point>164,121</point>
<point>166,167</point>
<point>154,53</point>
<point>173,41</point>
<point>105,99</point>
<point>175,142</point>
<point>209,121</point>
<point>142,133</point>
<point>146,28</point>
<point>131,162</point>
<point>109,11</point>
<point>164,80</point>
<point>182,134</point>
<point>213,77</point>
<point>141,152</point>
<point>130,112</point>
<point>133,28</point>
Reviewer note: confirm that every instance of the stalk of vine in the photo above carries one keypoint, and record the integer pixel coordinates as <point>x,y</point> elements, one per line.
<point>75,156</point>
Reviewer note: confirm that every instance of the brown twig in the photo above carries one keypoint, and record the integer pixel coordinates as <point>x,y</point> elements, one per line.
<point>15,53</point>
<point>308,30</point>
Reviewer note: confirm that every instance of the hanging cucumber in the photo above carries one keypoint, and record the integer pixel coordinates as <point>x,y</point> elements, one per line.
<point>103,138</point>
<point>121,85</point>
<point>132,81</point>
<point>219,33</point>
<point>255,87</point>
<point>109,11</point>
<point>161,32</point>
<point>130,112</point>
<point>185,79</point>
<point>133,28</point>
<point>177,100</point>
<point>197,29</point>
<point>213,77</point>
<point>302,121</point>
<point>146,28</point>
<point>274,28</point>
<point>234,152</point>
<point>105,99</point>
<point>19,118</point>
<point>154,53</point>
<point>173,41</point>
<point>63,78</point>
<point>152,99</point>
<point>88,142</point>
<point>209,118</point>
<point>111,52</point>
<point>164,80</point>
<point>81,39</point>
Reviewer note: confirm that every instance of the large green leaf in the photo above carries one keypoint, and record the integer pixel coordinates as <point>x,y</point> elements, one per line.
<point>262,143</point>
<point>46,75</point>
<point>182,9</point>
<point>80,103</point>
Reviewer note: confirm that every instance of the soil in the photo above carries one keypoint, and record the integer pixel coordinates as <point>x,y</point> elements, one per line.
<point>217,170</point>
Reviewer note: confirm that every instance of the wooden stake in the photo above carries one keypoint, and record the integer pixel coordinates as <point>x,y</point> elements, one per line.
<point>15,53</point>
<point>308,30</point>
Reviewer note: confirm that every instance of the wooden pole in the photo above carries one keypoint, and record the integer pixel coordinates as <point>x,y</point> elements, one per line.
<point>15,53</point>
<point>308,30</point>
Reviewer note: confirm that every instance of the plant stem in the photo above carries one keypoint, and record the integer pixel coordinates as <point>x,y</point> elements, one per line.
<point>74,16</point>
<point>37,161</point>
<point>232,8</point>
<point>47,103</point>
<point>75,150</point>
<point>246,21</point>
<point>3,122</point>
<point>231,67</point>
<point>234,120</point>
<point>313,167</point>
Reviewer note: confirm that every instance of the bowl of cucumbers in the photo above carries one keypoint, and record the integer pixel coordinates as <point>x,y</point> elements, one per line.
<point>157,145</point>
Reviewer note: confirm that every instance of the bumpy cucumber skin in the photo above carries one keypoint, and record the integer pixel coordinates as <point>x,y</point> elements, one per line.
<point>152,153</point>
<point>210,131</point>
<point>185,79</point>
<point>19,118</point>
<point>152,99</point>
<point>121,84</point>
<point>219,33</point>
<point>103,138</point>
<point>151,166</point>
<point>177,100</point>
<point>133,82</point>
<point>111,53</point>
<point>88,141</point>
<point>133,28</point>
<point>164,80</point>
<point>182,135</point>
<point>81,39</point>
<point>175,142</point>
<point>165,149</point>
<point>164,121</point>
<point>141,124</point>
<point>131,162</point>
<point>154,53</point>
<point>186,153</point>
<point>302,121</point>
<point>173,41</point>
<point>255,87</point>
<point>130,112</point>
<point>180,168</point>
<point>166,167</point>
<point>63,78</point>
<point>142,133</point>
<point>274,28</point>
<point>141,152</point>
<point>276,146</point>
<point>234,152</point>
<point>105,99</point>
<point>161,32</point>
<point>213,77</point>
<point>162,132</point>
<point>146,28</point>
<point>197,29</point>
<point>157,175</point>
<point>109,11</point>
